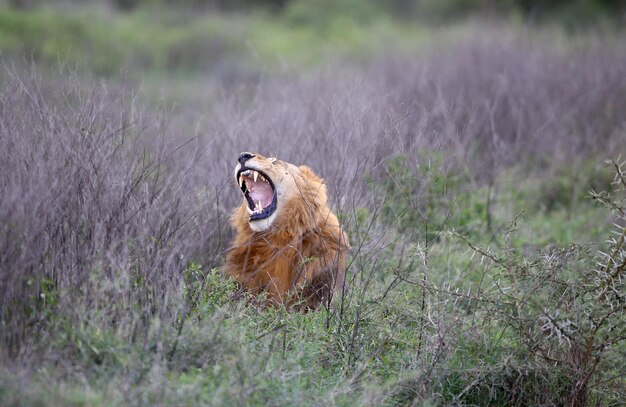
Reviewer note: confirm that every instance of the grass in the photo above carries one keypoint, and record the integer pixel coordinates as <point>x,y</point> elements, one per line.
<point>107,44</point>
<point>480,271</point>
<point>183,42</point>
<point>176,41</point>
<point>230,352</point>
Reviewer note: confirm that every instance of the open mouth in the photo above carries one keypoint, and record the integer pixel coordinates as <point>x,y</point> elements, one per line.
<point>259,192</point>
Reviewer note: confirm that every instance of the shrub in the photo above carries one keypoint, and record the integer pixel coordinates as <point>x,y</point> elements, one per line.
<point>89,217</point>
<point>434,195</point>
<point>543,329</point>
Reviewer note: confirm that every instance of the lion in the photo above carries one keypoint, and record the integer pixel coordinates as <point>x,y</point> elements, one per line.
<point>288,245</point>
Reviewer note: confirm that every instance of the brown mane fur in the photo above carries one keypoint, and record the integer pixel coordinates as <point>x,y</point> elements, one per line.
<point>301,257</point>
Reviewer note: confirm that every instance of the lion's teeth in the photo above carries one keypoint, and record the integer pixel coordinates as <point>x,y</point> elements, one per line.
<point>255,175</point>
<point>240,182</point>
<point>258,208</point>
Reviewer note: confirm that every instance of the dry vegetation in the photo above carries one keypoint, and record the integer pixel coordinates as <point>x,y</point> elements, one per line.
<point>114,215</point>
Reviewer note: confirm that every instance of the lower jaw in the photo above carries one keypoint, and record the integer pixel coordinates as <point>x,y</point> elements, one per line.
<point>260,225</point>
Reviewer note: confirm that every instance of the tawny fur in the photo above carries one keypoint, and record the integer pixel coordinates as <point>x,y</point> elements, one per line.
<point>300,258</point>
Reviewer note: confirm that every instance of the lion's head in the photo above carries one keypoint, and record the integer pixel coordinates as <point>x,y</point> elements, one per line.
<point>271,186</point>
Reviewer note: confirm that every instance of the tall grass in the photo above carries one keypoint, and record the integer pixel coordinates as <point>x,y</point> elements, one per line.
<point>114,212</point>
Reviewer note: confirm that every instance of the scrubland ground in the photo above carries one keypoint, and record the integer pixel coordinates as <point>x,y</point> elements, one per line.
<point>467,165</point>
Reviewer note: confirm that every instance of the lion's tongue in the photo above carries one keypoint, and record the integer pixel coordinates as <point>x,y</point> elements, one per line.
<point>261,192</point>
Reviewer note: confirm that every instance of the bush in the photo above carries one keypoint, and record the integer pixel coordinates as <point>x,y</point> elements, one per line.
<point>541,329</point>
<point>88,208</point>
<point>434,195</point>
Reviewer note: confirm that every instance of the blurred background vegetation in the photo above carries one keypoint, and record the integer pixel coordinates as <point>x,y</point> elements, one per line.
<point>108,37</point>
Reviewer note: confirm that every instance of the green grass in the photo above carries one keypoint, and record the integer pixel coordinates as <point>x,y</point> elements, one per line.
<point>161,41</point>
<point>112,44</point>
<point>157,42</point>
<point>232,352</point>
<point>455,322</point>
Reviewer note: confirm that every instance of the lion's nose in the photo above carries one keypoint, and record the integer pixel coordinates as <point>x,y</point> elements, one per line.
<point>243,157</point>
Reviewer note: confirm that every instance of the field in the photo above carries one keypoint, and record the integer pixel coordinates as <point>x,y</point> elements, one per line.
<point>476,166</point>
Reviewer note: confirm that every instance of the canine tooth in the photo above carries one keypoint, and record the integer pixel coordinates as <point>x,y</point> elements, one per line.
<point>255,175</point>
<point>240,182</point>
